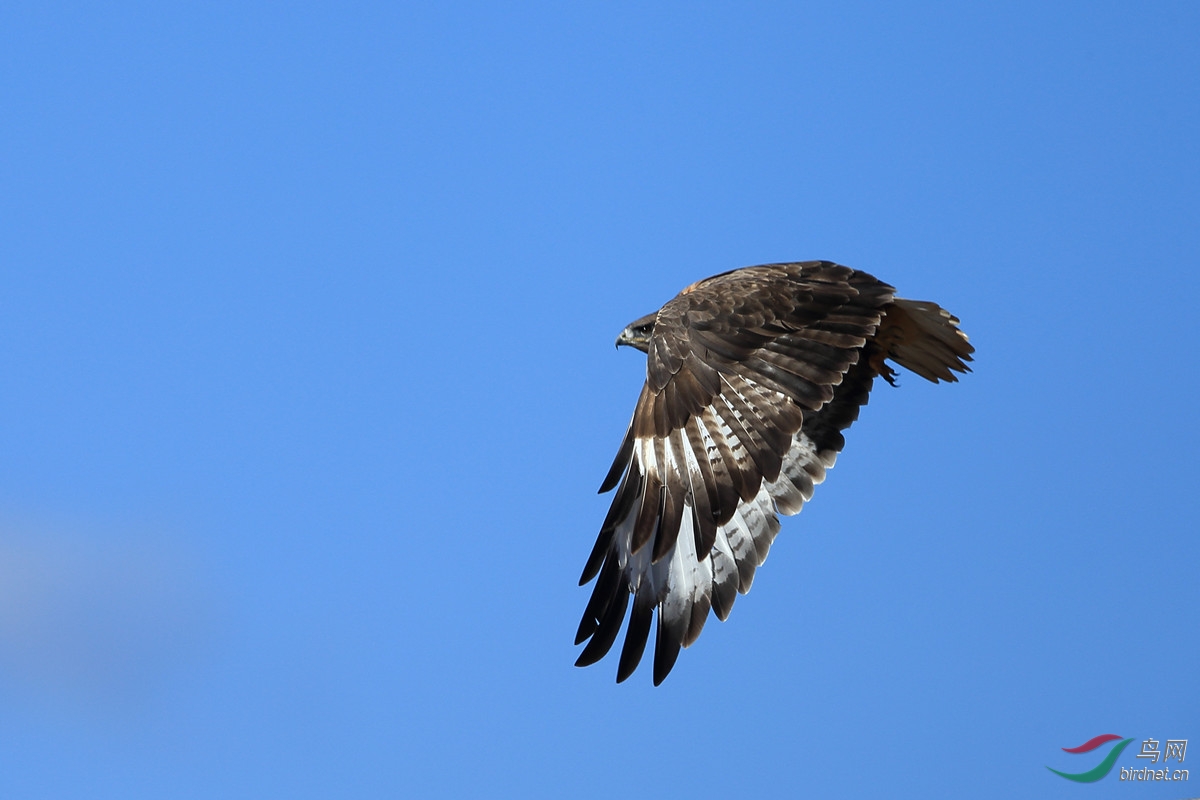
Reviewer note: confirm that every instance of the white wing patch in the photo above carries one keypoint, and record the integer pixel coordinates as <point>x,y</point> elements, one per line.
<point>684,584</point>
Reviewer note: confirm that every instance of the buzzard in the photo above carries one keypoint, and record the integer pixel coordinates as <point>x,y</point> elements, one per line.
<point>751,377</point>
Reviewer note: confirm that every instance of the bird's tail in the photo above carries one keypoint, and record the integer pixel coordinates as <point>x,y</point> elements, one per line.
<point>924,337</point>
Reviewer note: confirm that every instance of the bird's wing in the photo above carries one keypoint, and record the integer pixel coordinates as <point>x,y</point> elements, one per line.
<point>751,375</point>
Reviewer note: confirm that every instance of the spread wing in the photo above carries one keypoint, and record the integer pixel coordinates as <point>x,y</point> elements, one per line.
<point>751,376</point>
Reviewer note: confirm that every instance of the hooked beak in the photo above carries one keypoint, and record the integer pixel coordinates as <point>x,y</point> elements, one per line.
<point>637,334</point>
<point>631,338</point>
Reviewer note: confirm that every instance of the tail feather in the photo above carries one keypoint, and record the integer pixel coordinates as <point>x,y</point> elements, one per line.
<point>924,337</point>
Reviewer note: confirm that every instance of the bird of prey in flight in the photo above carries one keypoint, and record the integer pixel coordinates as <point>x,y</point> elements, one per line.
<point>751,377</point>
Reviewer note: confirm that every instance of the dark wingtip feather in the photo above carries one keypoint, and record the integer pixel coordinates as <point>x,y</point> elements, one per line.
<point>602,597</point>
<point>636,635</point>
<point>723,595</point>
<point>606,633</point>
<point>619,463</point>
<point>622,504</point>
<point>666,649</point>
<point>596,559</point>
<point>696,622</point>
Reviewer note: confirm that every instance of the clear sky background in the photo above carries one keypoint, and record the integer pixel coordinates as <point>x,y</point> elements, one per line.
<point>307,383</point>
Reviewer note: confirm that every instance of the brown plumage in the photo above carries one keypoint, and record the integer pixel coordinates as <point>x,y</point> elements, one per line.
<point>751,377</point>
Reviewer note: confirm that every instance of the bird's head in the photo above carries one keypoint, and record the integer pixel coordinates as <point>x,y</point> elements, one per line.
<point>637,333</point>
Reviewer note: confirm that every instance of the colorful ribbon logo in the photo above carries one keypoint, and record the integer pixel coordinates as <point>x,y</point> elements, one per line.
<point>1101,769</point>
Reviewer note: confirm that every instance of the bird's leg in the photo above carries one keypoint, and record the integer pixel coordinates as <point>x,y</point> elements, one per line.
<point>888,374</point>
<point>876,358</point>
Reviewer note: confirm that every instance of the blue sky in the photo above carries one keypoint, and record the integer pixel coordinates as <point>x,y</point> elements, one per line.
<point>306,324</point>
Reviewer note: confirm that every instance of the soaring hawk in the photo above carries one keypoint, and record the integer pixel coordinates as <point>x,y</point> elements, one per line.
<point>751,377</point>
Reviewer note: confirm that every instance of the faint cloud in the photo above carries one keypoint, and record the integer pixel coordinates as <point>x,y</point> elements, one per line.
<point>94,615</point>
